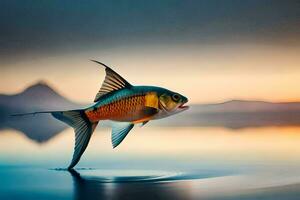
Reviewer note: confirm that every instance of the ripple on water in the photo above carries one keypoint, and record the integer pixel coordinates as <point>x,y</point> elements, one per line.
<point>121,176</point>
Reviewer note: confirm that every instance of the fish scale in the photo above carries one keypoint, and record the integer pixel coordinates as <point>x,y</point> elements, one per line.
<point>129,108</point>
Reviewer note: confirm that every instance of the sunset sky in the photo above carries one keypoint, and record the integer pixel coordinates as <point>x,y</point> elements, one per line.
<point>210,51</point>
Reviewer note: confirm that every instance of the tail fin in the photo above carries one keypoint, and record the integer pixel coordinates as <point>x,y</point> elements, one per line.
<point>83,130</point>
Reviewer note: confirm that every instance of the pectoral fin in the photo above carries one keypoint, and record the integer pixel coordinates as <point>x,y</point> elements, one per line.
<point>148,113</point>
<point>145,122</point>
<point>119,132</point>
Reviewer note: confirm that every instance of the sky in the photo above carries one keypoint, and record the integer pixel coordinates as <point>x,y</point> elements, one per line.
<point>210,51</point>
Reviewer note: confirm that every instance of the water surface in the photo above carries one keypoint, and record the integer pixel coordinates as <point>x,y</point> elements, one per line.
<point>155,163</point>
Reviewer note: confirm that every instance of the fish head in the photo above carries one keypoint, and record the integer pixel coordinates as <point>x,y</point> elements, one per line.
<point>171,103</point>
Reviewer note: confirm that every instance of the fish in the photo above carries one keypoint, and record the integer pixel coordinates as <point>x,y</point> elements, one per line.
<point>122,103</point>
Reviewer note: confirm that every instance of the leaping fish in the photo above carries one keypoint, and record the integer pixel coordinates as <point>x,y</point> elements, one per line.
<point>124,104</point>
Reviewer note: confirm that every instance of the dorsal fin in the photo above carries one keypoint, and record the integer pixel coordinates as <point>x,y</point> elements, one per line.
<point>112,82</point>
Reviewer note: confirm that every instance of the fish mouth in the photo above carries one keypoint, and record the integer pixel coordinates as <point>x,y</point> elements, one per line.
<point>183,106</point>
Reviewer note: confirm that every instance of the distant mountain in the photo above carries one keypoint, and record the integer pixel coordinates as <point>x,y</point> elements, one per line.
<point>230,114</point>
<point>242,106</point>
<point>37,97</point>
<point>239,114</point>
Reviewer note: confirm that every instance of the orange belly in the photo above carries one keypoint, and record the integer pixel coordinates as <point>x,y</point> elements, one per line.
<point>128,109</point>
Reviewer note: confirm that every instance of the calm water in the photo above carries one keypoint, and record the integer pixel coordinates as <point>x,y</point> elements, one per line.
<point>156,163</point>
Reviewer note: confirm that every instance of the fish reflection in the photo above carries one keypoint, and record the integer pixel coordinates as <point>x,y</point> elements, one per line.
<point>134,187</point>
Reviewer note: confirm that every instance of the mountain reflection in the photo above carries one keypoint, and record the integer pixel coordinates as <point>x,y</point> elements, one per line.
<point>41,128</point>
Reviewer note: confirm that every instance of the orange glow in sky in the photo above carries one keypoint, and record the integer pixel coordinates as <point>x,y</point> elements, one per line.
<point>211,73</point>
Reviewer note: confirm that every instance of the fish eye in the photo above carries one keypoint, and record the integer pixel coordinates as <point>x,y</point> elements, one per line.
<point>175,97</point>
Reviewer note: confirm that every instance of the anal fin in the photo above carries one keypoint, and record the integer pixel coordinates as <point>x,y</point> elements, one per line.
<point>119,132</point>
